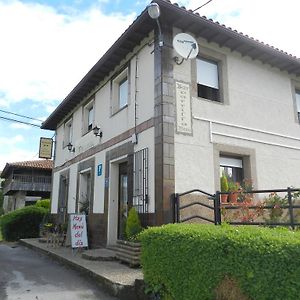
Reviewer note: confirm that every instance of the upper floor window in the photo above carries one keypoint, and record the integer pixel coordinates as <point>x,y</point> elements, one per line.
<point>123,93</point>
<point>68,132</point>
<point>120,91</point>
<point>208,79</point>
<point>298,103</point>
<point>88,117</point>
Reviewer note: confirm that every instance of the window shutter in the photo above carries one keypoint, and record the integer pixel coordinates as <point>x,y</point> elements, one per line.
<point>207,73</point>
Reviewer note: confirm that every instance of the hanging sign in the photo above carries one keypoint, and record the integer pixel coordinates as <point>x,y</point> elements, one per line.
<point>45,150</point>
<point>78,231</point>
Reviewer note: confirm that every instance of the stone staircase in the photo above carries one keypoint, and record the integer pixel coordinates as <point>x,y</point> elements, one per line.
<point>128,252</point>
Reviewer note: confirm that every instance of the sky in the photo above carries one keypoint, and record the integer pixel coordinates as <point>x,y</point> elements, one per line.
<point>47,46</point>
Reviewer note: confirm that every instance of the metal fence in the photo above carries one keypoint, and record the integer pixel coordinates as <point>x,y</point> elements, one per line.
<point>276,207</point>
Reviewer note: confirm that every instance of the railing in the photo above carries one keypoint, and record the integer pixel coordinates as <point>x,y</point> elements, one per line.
<point>27,183</point>
<point>277,207</point>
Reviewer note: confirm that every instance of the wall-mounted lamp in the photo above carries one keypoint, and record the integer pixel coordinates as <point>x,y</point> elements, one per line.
<point>154,13</point>
<point>97,131</point>
<point>70,147</point>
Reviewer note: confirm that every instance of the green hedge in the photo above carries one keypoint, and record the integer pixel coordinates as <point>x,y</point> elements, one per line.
<point>184,262</point>
<point>45,203</point>
<point>22,223</point>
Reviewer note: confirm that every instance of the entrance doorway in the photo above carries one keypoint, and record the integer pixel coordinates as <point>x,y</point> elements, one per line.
<point>123,200</point>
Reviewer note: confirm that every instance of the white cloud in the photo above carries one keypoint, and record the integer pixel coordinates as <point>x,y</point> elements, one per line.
<point>19,126</point>
<point>16,155</point>
<point>10,141</point>
<point>273,22</point>
<point>44,54</point>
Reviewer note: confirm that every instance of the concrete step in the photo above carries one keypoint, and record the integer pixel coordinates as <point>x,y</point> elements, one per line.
<point>102,254</point>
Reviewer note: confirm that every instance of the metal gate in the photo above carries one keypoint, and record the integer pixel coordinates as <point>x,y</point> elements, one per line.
<point>196,205</point>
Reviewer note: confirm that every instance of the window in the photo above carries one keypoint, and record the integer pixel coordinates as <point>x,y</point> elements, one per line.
<point>298,103</point>
<point>208,79</point>
<point>123,93</point>
<point>232,167</point>
<point>120,91</point>
<point>68,133</point>
<point>88,117</point>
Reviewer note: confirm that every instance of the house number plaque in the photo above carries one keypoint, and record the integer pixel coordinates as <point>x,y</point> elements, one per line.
<point>183,108</point>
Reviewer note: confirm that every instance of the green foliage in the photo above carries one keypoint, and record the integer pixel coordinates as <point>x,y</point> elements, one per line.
<point>224,183</point>
<point>275,213</point>
<point>193,261</point>
<point>22,223</point>
<point>133,225</point>
<point>233,186</point>
<point>45,203</point>
<point>1,202</point>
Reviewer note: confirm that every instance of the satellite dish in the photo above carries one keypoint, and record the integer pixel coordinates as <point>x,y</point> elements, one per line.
<point>185,45</point>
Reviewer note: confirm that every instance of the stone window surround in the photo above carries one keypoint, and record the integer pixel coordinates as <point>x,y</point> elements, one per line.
<point>82,166</point>
<point>247,154</point>
<point>295,86</point>
<point>114,90</point>
<point>221,60</point>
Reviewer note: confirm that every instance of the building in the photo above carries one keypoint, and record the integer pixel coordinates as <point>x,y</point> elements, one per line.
<point>26,182</point>
<point>144,123</point>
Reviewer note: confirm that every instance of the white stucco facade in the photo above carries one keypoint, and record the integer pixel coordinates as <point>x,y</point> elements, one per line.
<point>167,139</point>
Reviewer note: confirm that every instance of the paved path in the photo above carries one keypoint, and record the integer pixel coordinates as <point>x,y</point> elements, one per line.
<point>27,275</point>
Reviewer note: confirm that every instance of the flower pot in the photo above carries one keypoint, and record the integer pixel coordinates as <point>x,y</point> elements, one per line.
<point>224,198</point>
<point>233,197</point>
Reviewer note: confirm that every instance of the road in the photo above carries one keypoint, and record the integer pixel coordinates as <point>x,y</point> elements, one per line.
<point>27,275</point>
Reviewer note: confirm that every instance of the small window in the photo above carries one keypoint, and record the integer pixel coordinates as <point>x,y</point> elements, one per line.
<point>232,167</point>
<point>298,103</point>
<point>88,117</point>
<point>68,133</point>
<point>120,91</point>
<point>123,93</point>
<point>208,79</point>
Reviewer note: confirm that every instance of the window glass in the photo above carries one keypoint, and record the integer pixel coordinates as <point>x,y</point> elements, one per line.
<point>207,73</point>
<point>123,93</point>
<point>232,168</point>
<point>298,100</point>
<point>90,117</point>
<point>208,80</point>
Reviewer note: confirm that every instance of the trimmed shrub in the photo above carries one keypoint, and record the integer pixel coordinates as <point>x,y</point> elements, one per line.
<point>133,225</point>
<point>22,223</point>
<point>193,261</point>
<point>45,203</point>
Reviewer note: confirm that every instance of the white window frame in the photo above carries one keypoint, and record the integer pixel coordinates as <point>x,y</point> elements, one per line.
<point>297,99</point>
<point>68,132</point>
<point>117,82</point>
<point>86,113</point>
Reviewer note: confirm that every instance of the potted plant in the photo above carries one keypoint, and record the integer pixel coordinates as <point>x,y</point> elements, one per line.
<point>129,250</point>
<point>224,188</point>
<point>233,188</point>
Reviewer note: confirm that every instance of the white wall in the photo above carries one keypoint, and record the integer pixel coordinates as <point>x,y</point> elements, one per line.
<point>259,97</point>
<point>113,125</point>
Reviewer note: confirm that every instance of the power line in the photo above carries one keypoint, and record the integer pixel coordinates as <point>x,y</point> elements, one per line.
<point>202,5</point>
<point>22,122</point>
<point>26,117</point>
